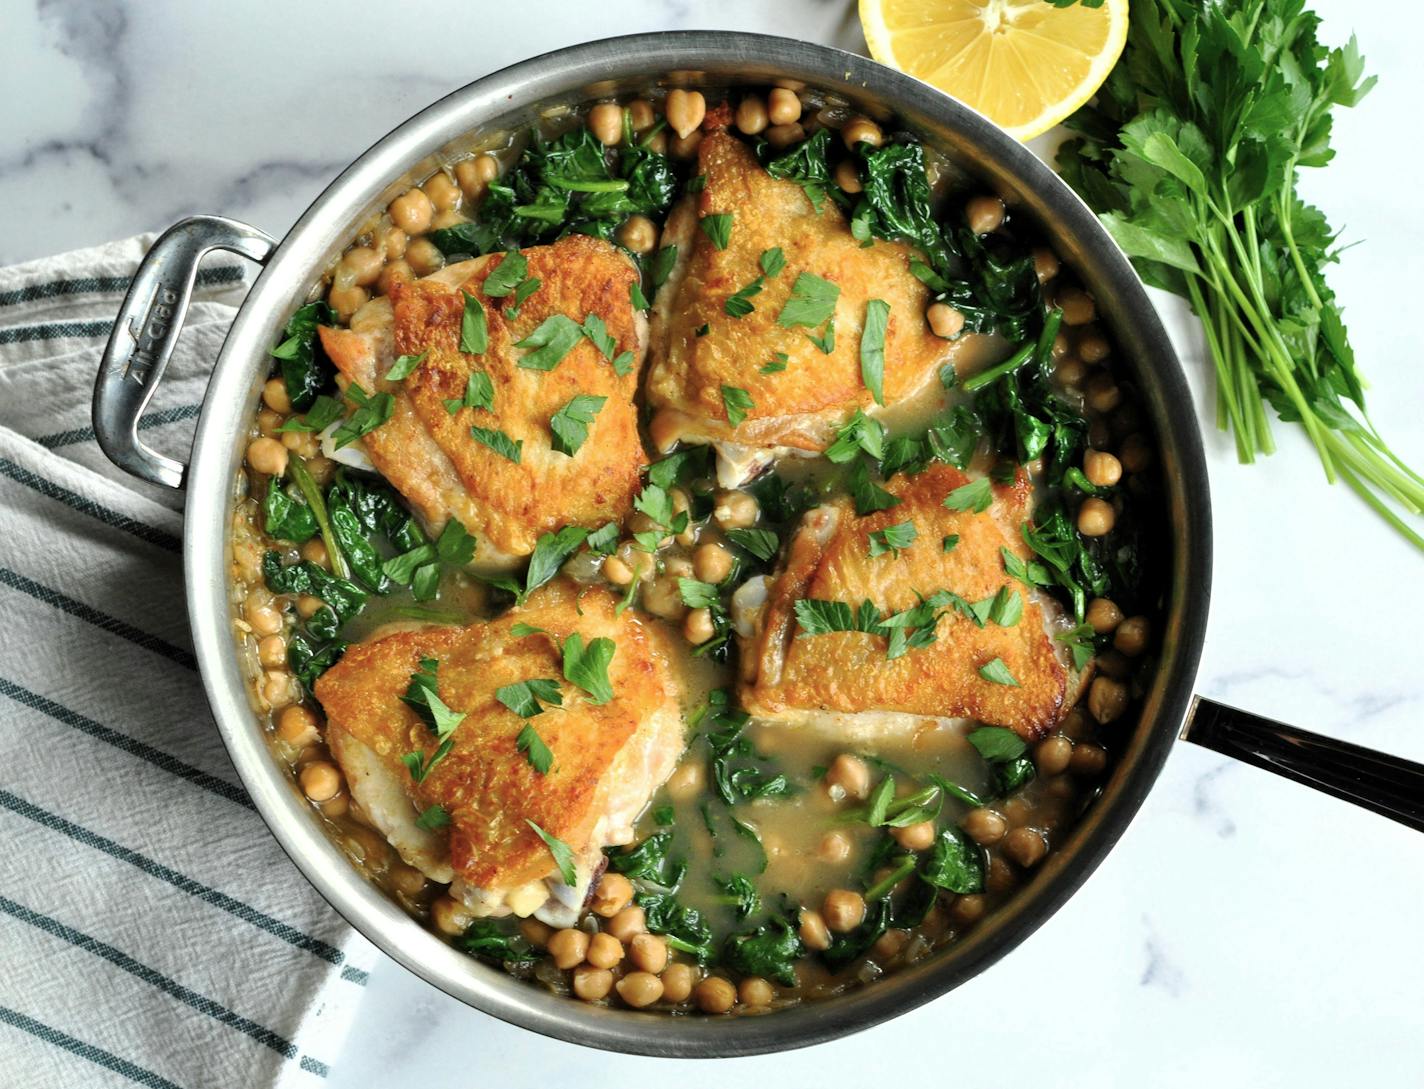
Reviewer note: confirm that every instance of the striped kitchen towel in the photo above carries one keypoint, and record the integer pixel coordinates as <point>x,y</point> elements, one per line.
<point>151,931</point>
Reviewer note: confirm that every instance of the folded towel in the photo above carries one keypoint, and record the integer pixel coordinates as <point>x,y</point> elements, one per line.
<point>153,931</point>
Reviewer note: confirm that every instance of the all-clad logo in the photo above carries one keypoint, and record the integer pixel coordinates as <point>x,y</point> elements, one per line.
<point>149,334</point>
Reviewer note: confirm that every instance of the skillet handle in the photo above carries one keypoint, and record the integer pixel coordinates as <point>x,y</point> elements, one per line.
<point>1384,784</point>
<point>146,331</point>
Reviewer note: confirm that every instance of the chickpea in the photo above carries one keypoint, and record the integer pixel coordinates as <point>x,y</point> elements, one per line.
<point>264,619</point>
<point>1077,306</point>
<point>1135,453</point>
<point>843,910</point>
<point>1052,755</point>
<point>274,396</point>
<point>474,175</point>
<point>850,775</point>
<point>363,264</point>
<point>782,137</point>
<point>314,551</point>
<point>648,952</point>
<point>945,321</point>
<point>915,837</point>
<point>1045,264</point>
<point>1132,635</point>
<point>267,456</point>
<point>684,111</point>
<point>848,176</point>
<point>657,143</point>
<point>424,257</point>
<point>715,994</point>
<point>1026,846</point>
<point>536,932</point>
<point>308,606</point>
<point>1093,346</point>
<point>612,895</point>
<point>1070,371</point>
<point>592,984</point>
<point>890,944</point>
<point>568,947</point>
<point>755,991</point>
<point>639,989</point>
<point>984,826</point>
<point>1102,393</point>
<point>604,950</point>
<point>711,562</point>
<point>640,114</point>
<point>397,272</point>
<point>783,107</point>
<point>1114,664</point>
<point>684,147</point>
<point>736,510</point>
<point>605,121</point>
<point>663,598</point>
<point>1088,759</point>
<point>347,300</point>
<point>1107,699</point>
<point>412,212</point>
<point>393,243</point>
<point>1101,468</point>
<point>678,980</point>
<point>999,877</point>
<point>321,469</point>
<point>687,781</point>
<point>1103,615</point>
<point>861,130</point>
<point>814,934</point>
<point>967,910</point>
<point>297,727</point>
<point>699,627</point>
<point>443,193</point>
<point>1095,518</point>
<point>641,564</point>
<point>272,651</point>
<point>300,442</point>
<point>639,234</point>
<point>985,214</point>
<point>835,846</point>
<point>406,880</point>
<point>626,923</point>
<point>320,781</point>
<point>1060,346</point>
<point>751,117</point>
<point>617,572</point>
<point>450,916</point>
<point>278,688</point>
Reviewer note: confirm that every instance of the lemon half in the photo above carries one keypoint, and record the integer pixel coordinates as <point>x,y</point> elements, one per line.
<point>1024,64</point>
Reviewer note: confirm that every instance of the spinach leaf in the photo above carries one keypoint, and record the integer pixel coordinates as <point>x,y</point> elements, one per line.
<point>683,926</point>
<point>486,938</point>
<point>650,861</point>
<point>770,951</point>
<point>850,946</point>
<point>954,863</point>
<point>304,367</point>
<point>286,517</point>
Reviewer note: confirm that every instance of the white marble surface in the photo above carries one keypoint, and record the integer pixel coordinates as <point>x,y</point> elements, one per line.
<point>1245,930</point>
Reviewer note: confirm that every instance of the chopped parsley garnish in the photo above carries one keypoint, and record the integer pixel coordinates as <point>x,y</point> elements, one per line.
<point>977,495</point>
<point>474,332</point>
<point>761,543</point>
<point>508,275</point>
<point>772,261</point>
<point>737,402</point>
<point>997,743</point>
<point>950,542</point>
<point>479,393</point>
<point>539,755</point>
<point>597,331</point>
<point>622,363</point>
<point>587,666</point>
<point>872,348</point>
<point>421,695</point>
<point>404,366</point>
<point>570,424</point>
<point>740,304</point>
<point>522,292</point>
<point>662,264</point>
<point>859,433</point>
<point>812,301</point>
<point>636,296</point>
<point>1032,574</point>
<point>996,672</point>
<point>906,630</point>
<point>372,410</point>
<point>776,365</point>
<point>499,442</point>
<point>553,339</point>
<point>550,552</point>
<point>324,412</point>
<point>718,228</point>
<point>433,817</point>
<point>603,540</point>
<point>697,594</point>
<point>827,341</point>
<point>1006,607</point>
<point>1079,642</point>
<point>869,496</point>
<point>892,539</point>
<point>528,698</point>
<point>563,856</point>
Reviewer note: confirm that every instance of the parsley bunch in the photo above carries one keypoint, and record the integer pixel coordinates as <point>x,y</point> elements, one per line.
<point>1190,154</point>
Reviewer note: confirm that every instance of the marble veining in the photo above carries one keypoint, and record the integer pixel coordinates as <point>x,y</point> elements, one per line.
<point>1244,927</point>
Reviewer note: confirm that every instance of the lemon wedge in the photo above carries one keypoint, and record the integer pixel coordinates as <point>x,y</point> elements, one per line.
<point>1024,64</point>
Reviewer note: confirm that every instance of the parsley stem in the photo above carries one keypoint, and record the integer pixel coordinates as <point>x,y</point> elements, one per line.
<point>298,468</point>
<point>993,374</point>
<point>882,888</point>
<point>612,185</point>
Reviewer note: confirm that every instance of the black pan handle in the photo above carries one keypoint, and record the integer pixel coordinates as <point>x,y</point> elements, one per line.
<point>1384,784</point>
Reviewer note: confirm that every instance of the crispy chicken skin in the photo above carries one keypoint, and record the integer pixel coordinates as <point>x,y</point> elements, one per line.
<point>608,759</point>
<point>801,406</point>
<point>429,454</point>
<point>831,679</point>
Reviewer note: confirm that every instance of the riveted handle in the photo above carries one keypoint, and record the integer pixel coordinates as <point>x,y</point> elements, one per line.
<point>1384,784</point>
<point>146,331</point>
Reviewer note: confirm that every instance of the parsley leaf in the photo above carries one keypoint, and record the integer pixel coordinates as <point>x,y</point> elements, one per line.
<point>761,543</point>
<point>597,331</point>
<point>812,301</point>
<point>550,552</point>
<point>772,261</point>
<point>563,856</point>
<point>996,672</point>
<point>570,424</point>
<point>996,743</point>
<point>892,539</point>
<point>737,403</point>
<point>826,342</point>
<point>718,227</point>
<point>977,495</point>
<point>662,264</point>
<point>433,817</point>
<point>539,755</point>
<point>860,432</point>
<point>950,542</point>
<point>740,304</point>
<point>636,296</point>
<point>372,410</point>
<point>499,442</point>
<point>474,332</point>
<point>587,666</point>
<point>553,339</point>
<point>776,365</point>
<point>697,594</point>
<point>872,348</point>
<point>869,497</point>
<point>507,275</point>
<point>479,393</point>
<point>404,366</point>
<point>526,698</point>
<point>1006,608</point>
